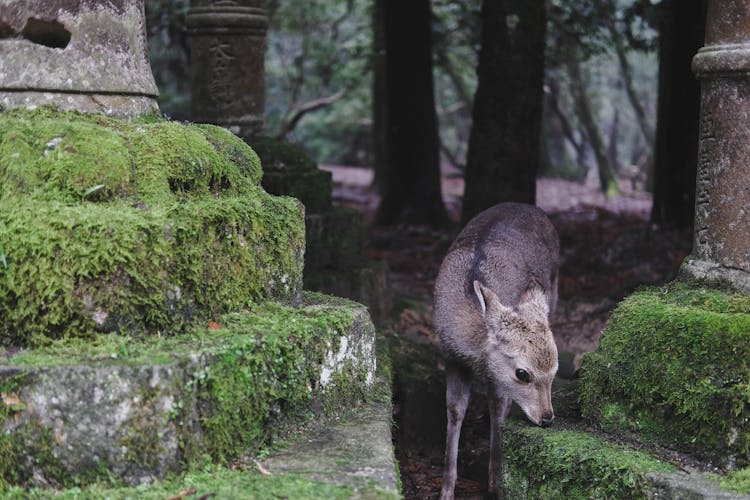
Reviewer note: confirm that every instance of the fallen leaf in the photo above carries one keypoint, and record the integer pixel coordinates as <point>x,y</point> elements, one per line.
<point>213,325</point>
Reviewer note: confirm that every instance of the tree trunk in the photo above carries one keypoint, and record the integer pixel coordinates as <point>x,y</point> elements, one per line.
<point>626,72</point>
<point>676,151</point>
<point>503,155</point>
<point>380,98</point>
<point>606,170</point>
<point>410,186</point>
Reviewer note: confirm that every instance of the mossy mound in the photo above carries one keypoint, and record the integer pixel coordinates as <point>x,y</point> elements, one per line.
<point>120,409</point>
<point>135,226</point>
<point>559,463</point>
<point>674,367</point>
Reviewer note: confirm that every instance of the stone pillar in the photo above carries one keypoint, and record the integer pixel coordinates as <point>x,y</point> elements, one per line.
<point>721,249</point>
<point>84,55</point>
<point>227,51</point>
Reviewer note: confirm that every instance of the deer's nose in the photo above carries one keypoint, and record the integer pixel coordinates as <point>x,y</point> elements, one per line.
<point>547,418</point>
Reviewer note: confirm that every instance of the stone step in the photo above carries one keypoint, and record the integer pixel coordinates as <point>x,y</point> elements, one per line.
<point>355,452</point>
<point>566,460</point>
<point>349,455</point>
<point>81,411</point>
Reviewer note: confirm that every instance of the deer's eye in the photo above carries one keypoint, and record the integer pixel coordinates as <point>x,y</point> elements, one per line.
<point>522,375</point>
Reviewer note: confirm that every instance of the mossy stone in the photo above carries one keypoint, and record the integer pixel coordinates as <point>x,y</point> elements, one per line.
<point>140,226</point>
<point>74,411</point>
<point>674,367</point>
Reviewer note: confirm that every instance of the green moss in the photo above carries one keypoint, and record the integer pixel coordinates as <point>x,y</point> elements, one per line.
<point>63,155</point>
<point>260,371</point>
<point>219,483</point>
<point>737,481</point>
<point>674,367</point>
<point>546,463</point>
<point>140,227</point>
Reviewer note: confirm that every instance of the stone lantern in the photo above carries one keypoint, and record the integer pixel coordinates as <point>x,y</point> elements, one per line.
<point>227,50</point>
<point>721,249</point>
<point>83,55</point>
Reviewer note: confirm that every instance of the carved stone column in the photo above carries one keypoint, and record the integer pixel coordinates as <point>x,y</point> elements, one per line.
<point>227,51</point>
<point>84,55</point>
<point>721,248</point>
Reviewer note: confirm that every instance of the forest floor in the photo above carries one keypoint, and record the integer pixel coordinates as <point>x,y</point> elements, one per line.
<point>608,249</point>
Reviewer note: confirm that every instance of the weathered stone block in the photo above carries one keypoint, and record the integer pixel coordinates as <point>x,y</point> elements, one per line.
<point>334,238</point>
<point>75,412</point>
<point>141,227</point>
<point>366,283</point>
<point>674,367</point>
<point>77,54</point>
<point>311,187</point>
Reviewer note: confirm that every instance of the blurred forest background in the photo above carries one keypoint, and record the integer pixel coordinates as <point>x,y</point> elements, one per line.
<point>619,104</point>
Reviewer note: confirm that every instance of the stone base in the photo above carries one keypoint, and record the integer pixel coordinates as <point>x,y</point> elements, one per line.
<point>115,105</point>
<point>715,273</point>
<point>673,368</point>
<point>77,412</point>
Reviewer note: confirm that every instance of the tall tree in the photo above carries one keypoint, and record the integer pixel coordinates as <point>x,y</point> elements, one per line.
<point>681,35</point>
<point>503,155</point>
<point>604,164</point>
<point>410,179</point>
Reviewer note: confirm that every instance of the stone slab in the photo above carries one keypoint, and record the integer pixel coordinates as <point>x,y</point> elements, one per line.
<point>77,412</point>
<point>356,451</point>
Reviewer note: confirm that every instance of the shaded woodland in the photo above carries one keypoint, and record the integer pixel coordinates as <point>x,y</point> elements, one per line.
<point>453,106</point>
<point>500,93</point>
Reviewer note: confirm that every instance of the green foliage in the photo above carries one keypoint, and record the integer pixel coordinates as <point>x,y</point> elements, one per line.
<point>317,49</point>
<point>674,367</point>
<point>138,226</point>
<point>544,463</point>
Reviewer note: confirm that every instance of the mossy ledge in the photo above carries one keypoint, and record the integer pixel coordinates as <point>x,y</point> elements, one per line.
<point>125,410</point>
<point>674,368</point>
<point>560,463</point>
<point>140,227</point>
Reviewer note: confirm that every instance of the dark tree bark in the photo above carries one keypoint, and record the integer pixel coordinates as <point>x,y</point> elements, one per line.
<point>676,154</point>
<point>503,156</point>
<point>410,179</point>
<point>380,98</point>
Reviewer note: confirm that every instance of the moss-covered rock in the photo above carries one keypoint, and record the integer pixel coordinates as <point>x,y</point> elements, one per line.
<point>135,226</point>
<point>559,463</point>
<point>674,367</point>
<point>132,410</point>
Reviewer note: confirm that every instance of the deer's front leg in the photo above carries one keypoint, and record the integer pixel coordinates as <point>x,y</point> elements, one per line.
<point>499,410</point>
<point>457,392</point>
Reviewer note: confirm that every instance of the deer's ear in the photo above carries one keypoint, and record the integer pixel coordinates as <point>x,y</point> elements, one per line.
<point>480,296</point>
<point>490,302</point>
<point>534,303</point>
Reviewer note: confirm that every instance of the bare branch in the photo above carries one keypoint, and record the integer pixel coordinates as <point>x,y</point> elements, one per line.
<point>288,125</point>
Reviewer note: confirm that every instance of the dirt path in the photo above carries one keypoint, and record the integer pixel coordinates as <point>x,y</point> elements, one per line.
<point>608,249</point>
